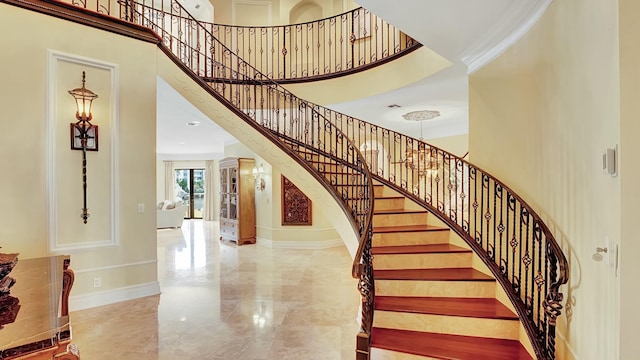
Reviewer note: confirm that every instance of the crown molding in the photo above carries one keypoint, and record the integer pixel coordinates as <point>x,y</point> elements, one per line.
<point>513,25</point>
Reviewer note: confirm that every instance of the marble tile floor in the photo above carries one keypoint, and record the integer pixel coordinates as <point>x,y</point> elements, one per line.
<point>221,301</point>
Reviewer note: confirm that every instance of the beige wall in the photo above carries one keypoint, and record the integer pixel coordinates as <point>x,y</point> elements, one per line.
<point>272,12</point>
<point>269,211</point>
<point>457,145</point>
<point>629,29</point>
<point>540,117</point>
<point>36,107</point>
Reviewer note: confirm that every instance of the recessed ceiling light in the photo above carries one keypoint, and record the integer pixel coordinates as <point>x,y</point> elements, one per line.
<point>181,143</point>
<point>393,106</point>
<point>193,123</point>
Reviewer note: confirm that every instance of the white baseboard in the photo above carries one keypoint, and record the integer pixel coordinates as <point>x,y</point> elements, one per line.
<point>566,345</point>
<point>308,245</point>
<point>107,297</point>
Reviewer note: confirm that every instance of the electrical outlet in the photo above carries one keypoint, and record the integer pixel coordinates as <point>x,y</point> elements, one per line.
<point>97,282</point>
<point>140,208</point>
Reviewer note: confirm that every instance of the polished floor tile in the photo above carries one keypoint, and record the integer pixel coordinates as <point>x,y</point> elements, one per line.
<point>221,301</point>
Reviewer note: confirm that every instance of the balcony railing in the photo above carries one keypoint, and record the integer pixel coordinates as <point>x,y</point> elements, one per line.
<point>334,46</point>
<point>339,45</point>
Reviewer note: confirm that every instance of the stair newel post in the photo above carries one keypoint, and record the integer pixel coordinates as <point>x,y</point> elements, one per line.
<point>366,287</point>
<point>552,303</point>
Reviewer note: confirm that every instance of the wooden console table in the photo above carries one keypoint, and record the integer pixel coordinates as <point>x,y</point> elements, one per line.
<point>41,329</point>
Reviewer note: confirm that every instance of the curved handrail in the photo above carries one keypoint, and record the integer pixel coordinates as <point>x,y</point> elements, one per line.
<point>451,182</point>
<point>290,122</point>
<point>507,233</point>
<point>501,227</point>
<point>353,41</point>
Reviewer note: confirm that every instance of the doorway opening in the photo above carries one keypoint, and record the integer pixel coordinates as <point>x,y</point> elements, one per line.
<point>191,190</point>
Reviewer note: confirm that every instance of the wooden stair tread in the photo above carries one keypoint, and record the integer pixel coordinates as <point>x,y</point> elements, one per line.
<point>399,211</point>
<point>418,249</point>
<point>487,308</point>
<point>446,274</point>
<point>407,228</point>
<point>388,197</point>
<point>446,346</point>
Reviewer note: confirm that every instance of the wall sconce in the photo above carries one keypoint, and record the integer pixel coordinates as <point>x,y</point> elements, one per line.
<point>84,135</point>
<point>258,179</point>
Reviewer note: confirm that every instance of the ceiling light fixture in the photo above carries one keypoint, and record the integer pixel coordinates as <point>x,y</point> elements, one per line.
<point>421,115</point>
<point>193,123</point>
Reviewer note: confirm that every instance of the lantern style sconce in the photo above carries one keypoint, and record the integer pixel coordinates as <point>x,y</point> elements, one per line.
<point>84,135</point>
<point>258,179</point>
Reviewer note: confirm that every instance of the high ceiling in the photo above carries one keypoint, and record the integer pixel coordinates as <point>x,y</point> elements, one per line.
<point>469,33</point>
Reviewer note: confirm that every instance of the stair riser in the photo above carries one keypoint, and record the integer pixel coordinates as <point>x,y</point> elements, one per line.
<point>400,219</point>
<point>483,289</point>
<point>411,238</point>
<point>421,261</point>
<point>389,204</point>
<point>378,191</point>
<point>382,354</point>
<point>454,325</point>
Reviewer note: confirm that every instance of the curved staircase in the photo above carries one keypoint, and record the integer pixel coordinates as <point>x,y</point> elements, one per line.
<point>452,264</point>
<point>430,300</point>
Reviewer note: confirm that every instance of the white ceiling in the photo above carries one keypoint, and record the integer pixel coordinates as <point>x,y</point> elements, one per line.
<point>469,33</point>
<point>175,140</point>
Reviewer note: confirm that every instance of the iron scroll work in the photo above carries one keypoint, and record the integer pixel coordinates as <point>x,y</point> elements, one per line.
<point>296,206</point>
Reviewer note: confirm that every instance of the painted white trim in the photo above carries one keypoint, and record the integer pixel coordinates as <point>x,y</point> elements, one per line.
<point>502,35</point>
<point>566,345</point>
<point>111,267</point>
<point>295,228</point>
<point>251,2</point>
<point>306,245</point>
<point>190,157</point>
<point>53,57</point>
<point>107,297</point>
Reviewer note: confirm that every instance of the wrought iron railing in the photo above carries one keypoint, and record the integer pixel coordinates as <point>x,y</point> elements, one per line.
<point>501,227</point>
<point>317,49</point>
<point>292,122</point>
<point>314,50</point>
<point>99,6</point>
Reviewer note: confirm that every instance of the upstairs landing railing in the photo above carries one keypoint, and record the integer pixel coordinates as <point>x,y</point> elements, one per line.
<point>353,41</point>
<point>500,226</point>
<point>335,46</point>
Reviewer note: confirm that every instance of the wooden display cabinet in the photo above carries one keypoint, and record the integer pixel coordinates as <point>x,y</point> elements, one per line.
<point>237,201</point>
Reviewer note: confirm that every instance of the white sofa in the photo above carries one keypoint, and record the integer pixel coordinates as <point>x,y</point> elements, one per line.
<point>171,217</point>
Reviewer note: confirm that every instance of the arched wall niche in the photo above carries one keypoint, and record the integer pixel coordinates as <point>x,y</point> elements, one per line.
<point>305,11</point>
